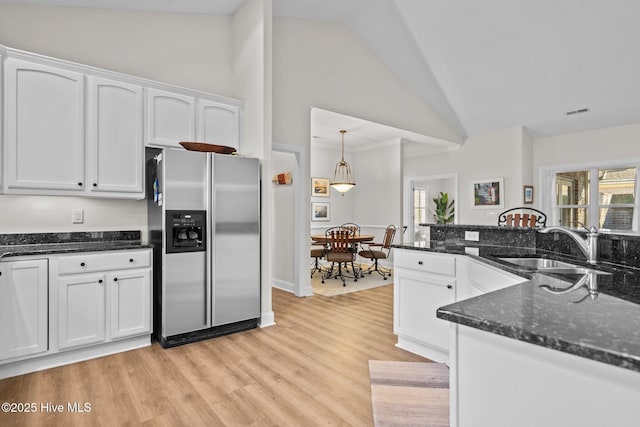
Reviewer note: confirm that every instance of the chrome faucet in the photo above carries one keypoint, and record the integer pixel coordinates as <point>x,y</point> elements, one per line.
<point>588,245</point>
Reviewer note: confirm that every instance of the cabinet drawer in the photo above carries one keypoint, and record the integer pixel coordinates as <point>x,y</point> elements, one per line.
<point>427,262</point>
<point>92,261</point>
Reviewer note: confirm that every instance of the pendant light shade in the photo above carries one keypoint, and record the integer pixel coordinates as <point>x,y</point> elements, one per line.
<point>342,178</point>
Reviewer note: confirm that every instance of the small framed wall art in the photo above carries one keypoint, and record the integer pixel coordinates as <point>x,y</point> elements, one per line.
<point>320,187</point>
<point>527,194</point>
<point>488,193</point>
<point>320,211</point>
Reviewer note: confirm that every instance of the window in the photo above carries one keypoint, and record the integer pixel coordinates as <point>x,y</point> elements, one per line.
<point>419,206</point>
<point>601,197</point>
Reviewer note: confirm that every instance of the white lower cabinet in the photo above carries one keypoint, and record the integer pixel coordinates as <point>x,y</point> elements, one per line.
<point>425,281</point>
<point>72,307</point>
<point>130,294</point>
<point>23,308</point>
<point>112,303</point>
<point>81,310</point>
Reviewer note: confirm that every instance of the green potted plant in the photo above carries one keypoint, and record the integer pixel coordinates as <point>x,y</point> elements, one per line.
<point>444,209</point>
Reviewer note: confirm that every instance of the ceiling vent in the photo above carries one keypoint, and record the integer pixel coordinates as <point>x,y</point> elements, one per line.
<point>582,110</point>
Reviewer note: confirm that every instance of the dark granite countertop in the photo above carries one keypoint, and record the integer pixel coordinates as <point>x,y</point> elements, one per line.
<point>12,245</point>
<point>605,328</point>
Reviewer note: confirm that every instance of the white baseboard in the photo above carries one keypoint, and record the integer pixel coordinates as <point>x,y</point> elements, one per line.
<point>284,285</point>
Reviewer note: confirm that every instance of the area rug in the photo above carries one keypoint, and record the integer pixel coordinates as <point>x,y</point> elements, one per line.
<point>409,393</point>
<point>333,287</point>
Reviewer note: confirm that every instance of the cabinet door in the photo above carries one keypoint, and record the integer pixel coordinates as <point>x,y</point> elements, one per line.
<point>130,302</point>
<point>170,118</point>
<point>23,308</point>
<point>81,310</point>
<point>115,136</point>
<point>45,127</point>
<point>218,123</point>
<point>417,296</point>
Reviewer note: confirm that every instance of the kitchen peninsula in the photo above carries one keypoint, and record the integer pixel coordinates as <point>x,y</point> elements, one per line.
<point>529,351</point>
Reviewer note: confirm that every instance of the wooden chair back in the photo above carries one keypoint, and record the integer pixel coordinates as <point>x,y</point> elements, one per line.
<point>522,217</point>
<point>389,234</point>
<point>351,226</point>
<point>339,239</point>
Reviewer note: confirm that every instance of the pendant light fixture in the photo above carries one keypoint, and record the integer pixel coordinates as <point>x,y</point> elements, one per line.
<point>342,178</point>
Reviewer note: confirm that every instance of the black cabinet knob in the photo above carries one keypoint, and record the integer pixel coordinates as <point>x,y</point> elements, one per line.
<point>79,184</point>
<point>449,286</point>
<point>100,281</point>
<point>82,264</point>
<point>115,279</point>
<point>95,184</point>
<point>420,262</point>
<point>130,259</point>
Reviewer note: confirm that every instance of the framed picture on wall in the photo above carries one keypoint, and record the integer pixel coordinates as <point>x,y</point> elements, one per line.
<point>488,193</point>
<point>320,187</point>
<point>320,211</point>
<point>528,194</point>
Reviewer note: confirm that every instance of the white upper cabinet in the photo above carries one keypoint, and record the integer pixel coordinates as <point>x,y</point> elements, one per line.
<point>115,136</point>
<point>171,118</point>
<point>218,123</point>
<point>75,130</point>
<point>45,127</point>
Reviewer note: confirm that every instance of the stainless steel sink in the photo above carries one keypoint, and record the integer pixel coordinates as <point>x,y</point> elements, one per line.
<point>538,263</point>
<point>546,265</point>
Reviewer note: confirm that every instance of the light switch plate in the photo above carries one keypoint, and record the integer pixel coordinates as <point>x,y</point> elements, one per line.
<point>472,236</point>
<point>77,216</point>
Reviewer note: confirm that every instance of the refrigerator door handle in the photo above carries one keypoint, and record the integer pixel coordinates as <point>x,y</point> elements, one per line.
<point>210,244</point>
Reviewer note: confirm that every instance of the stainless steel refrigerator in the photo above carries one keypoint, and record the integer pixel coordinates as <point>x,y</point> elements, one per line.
<point>204,222</point>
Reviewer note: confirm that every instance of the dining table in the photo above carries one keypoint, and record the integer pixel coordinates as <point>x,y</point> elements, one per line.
<point>358,238</point>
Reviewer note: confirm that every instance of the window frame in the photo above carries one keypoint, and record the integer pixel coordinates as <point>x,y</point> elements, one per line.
<point>549,198</point>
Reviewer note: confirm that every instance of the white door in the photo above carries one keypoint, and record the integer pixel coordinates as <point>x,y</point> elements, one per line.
<point>417,296</point>
<point>218,123</point>
<point>81,310</point>
<point>170,118</point>
<point>130,292</point>
<point>45,127</point>
<point>115,136</point>
<point>23,308</point>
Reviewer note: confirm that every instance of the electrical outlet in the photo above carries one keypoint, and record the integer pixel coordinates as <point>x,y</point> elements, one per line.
<point>77,216</point>
<point>472,236</point>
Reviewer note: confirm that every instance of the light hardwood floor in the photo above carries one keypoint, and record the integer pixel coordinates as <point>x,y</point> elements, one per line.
<point>310,369</point>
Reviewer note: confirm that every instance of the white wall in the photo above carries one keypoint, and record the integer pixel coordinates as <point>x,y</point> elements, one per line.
<point>378,193</point>
<point>189,50</point>
<point>497,154</point>
<point>283,217</point>
<point>321,64</point>
<point>603,145</point>
<point>182,49</point>
<point>342,208</point>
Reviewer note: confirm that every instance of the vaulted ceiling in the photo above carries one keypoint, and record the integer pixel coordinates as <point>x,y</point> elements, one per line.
<point>483,65</point>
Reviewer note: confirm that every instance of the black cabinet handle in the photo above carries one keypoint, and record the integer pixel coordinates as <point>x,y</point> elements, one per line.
<point>420,262</point>
<point>95,184</point>
<point>115,279</point>
<point>79,184</point>
<point>82,264</point>
<point>449,286</point>
<point>100,281</point>
<point>130,259</point>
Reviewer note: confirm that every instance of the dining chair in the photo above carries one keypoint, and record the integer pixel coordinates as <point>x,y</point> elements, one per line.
<point>339,251</point>
<point>376,251</point>
<point>522,217</point>
<point>352,226</point>
<point>317,253</point>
